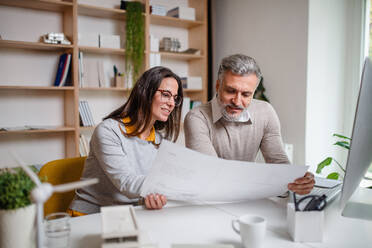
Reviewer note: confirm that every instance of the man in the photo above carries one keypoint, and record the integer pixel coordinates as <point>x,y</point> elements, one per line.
<point>235,126</point>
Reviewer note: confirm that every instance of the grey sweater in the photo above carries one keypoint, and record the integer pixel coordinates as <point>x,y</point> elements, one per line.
<point>207,132</point>
<point>120,163</point>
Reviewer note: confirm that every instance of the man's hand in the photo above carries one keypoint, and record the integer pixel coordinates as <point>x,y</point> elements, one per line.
<point>303,185</point>
<point>155,201</point>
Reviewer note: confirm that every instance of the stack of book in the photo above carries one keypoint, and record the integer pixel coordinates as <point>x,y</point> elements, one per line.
<point>63,75</point>
<point>86,118</point>
<point>170,44</point>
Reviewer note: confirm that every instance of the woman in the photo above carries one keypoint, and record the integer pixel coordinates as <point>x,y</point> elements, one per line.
<point>124,145</point>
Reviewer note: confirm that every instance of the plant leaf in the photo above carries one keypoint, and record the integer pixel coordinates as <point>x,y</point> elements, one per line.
<point>333,175</point>
<point>343,144</point>
<point>341,136</point>
<point>323,164</point>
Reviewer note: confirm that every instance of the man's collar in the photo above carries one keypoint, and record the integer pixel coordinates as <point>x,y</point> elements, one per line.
<point>217,112</point>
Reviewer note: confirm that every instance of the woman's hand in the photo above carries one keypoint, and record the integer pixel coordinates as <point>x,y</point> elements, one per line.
<point>303,185</point>
<point>155,201</point>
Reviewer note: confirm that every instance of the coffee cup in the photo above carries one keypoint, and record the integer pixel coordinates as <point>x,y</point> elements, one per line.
<point>252,229</point>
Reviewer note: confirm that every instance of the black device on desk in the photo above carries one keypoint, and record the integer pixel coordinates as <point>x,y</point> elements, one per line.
<point>310,202</point>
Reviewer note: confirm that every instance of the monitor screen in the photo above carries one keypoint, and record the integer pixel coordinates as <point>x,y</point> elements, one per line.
<point>359,159</point>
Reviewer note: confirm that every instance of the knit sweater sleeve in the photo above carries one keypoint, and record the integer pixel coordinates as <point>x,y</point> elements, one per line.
<point>119,166</point>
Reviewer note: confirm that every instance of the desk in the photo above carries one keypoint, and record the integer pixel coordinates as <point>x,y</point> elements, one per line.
<point>201,224</point>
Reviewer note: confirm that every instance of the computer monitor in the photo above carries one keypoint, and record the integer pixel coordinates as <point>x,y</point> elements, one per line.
<point>355,201</point>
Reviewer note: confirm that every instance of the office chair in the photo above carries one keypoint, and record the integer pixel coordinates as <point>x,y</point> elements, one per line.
<point>58,172</point>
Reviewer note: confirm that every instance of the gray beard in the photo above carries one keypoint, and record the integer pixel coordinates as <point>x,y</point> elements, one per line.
<point>226,115</point>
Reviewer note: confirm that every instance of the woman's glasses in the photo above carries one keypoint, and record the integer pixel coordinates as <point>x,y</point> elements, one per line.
<point>166,96</point>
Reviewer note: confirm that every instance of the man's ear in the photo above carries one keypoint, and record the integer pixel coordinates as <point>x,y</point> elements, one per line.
<point>217,85</point>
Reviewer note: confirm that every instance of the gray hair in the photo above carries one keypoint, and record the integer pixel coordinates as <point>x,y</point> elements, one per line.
<point>239,64</point>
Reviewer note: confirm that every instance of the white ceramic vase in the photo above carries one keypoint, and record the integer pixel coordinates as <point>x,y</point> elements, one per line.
<point>17,227</point>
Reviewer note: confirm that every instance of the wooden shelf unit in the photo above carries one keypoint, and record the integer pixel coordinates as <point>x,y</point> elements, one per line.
<point>51,130</point>
<point>71,10</point>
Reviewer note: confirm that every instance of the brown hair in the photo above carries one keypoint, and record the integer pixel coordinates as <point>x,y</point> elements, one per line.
<point>138,105</point>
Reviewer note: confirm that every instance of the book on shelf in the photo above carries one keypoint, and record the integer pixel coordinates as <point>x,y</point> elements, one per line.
<point>83,145</point>
<point>85,114</point>
<point>81,70</point>
<point>63,70</point>
<point>90,116</point>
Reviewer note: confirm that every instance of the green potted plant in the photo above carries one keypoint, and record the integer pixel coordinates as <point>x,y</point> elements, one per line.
<point>135,40</point>
<point>344,143</point>
<point>17,213</point>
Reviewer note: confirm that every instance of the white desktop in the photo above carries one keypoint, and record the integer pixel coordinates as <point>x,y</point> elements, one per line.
<point>211,224</point>
<point>356,202</point>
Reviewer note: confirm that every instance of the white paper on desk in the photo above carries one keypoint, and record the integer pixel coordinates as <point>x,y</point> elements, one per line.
<point>186,175</point>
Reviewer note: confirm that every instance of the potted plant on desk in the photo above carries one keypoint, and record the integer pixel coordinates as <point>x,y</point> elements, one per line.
<point>17,214</point>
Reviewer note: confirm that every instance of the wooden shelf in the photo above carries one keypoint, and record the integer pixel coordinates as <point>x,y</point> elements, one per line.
<point>101,50</point>
<point>104,89</point>
<point>173,22</point>
<point>50,5</point>
<point>101,12</point>
<point>33,45</point>
<point>11,87</point>
<point>53,130</point>
<point>179,56</point>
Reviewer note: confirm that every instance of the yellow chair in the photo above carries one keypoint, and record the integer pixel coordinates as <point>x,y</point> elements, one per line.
<point>58,172</point>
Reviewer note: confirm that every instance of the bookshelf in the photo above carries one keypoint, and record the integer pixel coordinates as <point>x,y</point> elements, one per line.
<point>72,15</point>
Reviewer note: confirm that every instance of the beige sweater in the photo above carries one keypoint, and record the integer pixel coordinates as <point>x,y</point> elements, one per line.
<point>207,132</point>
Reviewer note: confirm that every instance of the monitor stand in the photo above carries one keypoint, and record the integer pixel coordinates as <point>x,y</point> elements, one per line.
<point>360,205</point>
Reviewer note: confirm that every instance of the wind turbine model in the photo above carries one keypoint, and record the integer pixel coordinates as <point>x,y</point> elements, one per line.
<point>43,191</point>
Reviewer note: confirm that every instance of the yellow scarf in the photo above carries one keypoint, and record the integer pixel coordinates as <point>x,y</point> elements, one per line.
<point>130,129</point>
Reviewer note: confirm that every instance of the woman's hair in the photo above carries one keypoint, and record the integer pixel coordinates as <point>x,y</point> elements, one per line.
<point>139,103</point>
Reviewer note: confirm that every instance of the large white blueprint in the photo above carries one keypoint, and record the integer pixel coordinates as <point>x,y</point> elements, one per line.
<point>186,175</point>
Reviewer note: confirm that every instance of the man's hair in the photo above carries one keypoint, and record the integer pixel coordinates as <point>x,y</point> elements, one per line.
<point>239,64</point>
<point>139,103</point>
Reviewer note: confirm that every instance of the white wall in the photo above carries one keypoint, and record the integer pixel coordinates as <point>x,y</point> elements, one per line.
<point>309,52</point>
<point>334,53</point>
<point>275,34</point>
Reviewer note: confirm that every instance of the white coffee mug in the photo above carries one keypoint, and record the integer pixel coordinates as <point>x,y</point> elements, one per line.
<point>252,229</point>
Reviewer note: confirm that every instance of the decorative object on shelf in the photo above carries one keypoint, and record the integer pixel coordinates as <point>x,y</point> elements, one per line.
<point>135,39</point>
<point>260,92</point>
<point>182,13</point>
<point>55,38</point>
<point>193,51</point>
<point>344,143</point>
<point>119,78</point>
<point>169,44</point>
<point>16,208</point>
